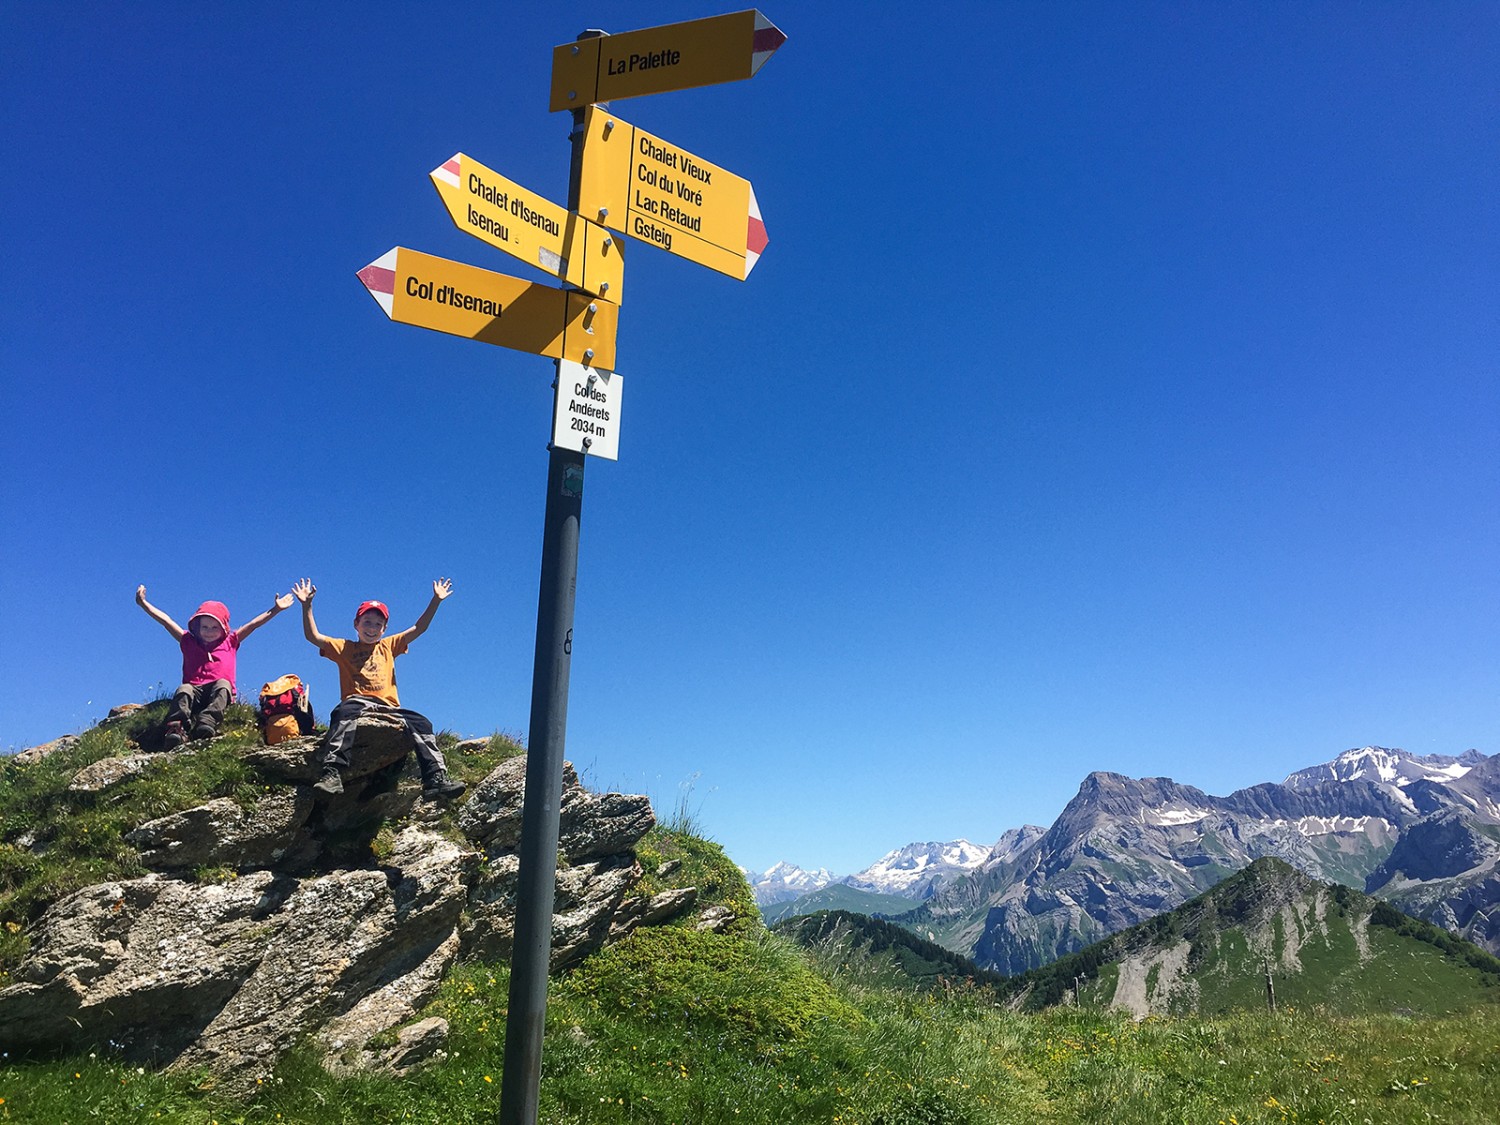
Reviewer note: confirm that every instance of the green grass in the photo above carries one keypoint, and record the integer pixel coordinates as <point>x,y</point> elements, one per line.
<point>677,1026</point>
<point>674,1025</point>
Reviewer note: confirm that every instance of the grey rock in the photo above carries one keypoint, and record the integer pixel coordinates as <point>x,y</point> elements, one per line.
<point>33,754</point>
<point>659,908</point>
<point>590,825</point>
<point>145,963</point>
<point>341,937</point>
<point>416,1045</point>
<point>316,938</point>
<point>223,834</point>
<point>109,772</point>
<point>715,919</point>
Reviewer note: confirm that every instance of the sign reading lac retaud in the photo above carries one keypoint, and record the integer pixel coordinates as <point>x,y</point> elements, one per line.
<point>660,193</point>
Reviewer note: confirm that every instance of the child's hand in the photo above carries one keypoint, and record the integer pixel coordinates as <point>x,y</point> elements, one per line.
<point>283,601</point>
<point>442,588</point>
<point>304,590</point>
<point>140,595</point>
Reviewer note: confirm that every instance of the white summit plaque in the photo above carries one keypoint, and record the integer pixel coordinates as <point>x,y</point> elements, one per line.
<point>587,415</point>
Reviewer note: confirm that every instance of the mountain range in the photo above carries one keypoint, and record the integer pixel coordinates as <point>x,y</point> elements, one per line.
<point>1421,832</point>
<point>1270,936</point>
<point>1265,936</point>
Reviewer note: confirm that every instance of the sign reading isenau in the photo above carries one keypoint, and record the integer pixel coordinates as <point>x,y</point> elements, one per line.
<point>654,60</point>
<point>485,204</point>
<point>659,193</point>
<point>461,300</point>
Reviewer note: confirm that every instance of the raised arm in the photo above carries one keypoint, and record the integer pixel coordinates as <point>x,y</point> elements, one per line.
<point>303,591</point>
<point>279,602</point>
<point>441,588</point>
<point>157,615</point>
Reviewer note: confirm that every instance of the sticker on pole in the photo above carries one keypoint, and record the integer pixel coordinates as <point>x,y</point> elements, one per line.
<point>586,418</point>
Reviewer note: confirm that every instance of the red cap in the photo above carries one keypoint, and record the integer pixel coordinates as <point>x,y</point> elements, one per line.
<point>217,610</point>
<point>360,612</point>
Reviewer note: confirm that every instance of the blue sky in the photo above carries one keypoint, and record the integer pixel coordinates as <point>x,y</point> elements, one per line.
<point>1118,391</point>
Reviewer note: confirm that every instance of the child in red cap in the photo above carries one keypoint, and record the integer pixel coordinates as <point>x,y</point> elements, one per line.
<point>208,648</point>
<point>367,683</point>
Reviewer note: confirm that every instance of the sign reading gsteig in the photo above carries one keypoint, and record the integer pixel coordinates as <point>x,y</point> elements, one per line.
<point>659,193</point>
<point>674,56</point>
<point>530,227</point>
<point>445,296</point>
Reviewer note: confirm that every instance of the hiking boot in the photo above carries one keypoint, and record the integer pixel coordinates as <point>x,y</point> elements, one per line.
<point>441,786</point>
<point>204,731</point>
<point>173,737</point>
<point>330,783</point>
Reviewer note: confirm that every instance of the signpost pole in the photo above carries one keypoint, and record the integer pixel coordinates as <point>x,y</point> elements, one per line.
<point>525,1022</point>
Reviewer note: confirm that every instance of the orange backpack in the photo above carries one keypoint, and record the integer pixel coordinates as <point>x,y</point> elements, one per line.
<point>284,711</point>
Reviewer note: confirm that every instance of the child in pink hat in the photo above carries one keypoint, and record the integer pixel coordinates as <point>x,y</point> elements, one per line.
<point>208,648</point>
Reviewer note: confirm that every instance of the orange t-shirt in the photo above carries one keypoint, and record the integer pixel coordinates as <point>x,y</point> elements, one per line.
<point>366,669</point>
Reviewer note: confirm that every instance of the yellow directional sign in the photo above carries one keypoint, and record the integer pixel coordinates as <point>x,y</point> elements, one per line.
<point>659,193</point>
<point>675,56</point>
<point>430,292</point>
<point>531,227</point>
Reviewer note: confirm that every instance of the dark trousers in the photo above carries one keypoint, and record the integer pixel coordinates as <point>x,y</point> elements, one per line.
<point>341,727</point>
<point>203,702</point>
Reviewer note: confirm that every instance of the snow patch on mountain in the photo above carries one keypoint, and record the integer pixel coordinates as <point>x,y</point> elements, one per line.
<point>1347,825</point>
<point>915,870</point>
<point>1171,815</point>
<point>784,881</point>
<point>1385,766</point>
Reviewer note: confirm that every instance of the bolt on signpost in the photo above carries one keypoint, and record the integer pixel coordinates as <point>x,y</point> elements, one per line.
<point>670,198</point>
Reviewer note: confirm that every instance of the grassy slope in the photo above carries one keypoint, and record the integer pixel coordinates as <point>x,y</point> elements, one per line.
<point>677,1026</point>
<point>1408,968</point>
<point>881,951</point>
<point>837,898</point>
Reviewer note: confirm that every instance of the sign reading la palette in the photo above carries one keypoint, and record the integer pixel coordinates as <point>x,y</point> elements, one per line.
<point>654,60</point>
<point>659,193</point>
<point>529,226</point>
<point>446,296</point>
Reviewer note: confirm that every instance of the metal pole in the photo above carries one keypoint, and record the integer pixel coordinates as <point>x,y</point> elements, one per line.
<point>526,1020</point>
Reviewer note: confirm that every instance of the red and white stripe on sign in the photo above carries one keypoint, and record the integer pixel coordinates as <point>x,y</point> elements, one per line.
<point>756,238</point>
<point>379,278</point>
<point>448,173</point>
<point>767,38</point>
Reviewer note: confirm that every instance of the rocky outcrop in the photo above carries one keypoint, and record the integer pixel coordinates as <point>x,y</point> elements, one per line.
<point>298,917</point>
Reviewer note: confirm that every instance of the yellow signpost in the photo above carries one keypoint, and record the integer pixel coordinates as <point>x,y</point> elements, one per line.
<point>446,296</point>
<point>531,227</point>
<point>624,179</point>
<point>654,60</point>
<point>659,193</point>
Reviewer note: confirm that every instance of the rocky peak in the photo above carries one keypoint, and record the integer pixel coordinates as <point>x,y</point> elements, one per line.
<point>784,881</point>
<point>334,918</point>
<point>915,870</point>
<point>1386,766</point>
